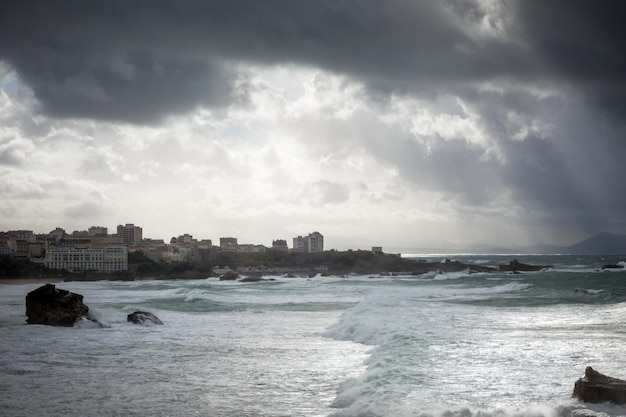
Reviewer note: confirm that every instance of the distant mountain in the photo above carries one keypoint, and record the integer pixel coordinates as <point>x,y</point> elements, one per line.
<point>600,244</point>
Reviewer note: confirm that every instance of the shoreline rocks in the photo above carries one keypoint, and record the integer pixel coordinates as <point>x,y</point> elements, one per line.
<point>595,387</point>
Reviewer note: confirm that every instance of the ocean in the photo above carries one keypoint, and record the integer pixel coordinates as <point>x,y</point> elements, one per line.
<point>436,345</point>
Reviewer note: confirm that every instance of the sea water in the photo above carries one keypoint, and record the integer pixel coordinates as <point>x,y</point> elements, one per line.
<point>457,344</point>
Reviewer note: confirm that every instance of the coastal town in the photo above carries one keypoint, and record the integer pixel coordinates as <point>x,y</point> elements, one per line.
<point>98,251</point>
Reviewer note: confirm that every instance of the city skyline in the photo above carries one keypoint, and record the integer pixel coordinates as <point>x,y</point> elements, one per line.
<point>395,124</point>
<point>131,234</point>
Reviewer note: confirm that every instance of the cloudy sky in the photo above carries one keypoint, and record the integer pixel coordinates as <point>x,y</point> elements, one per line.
<point>375,122</point>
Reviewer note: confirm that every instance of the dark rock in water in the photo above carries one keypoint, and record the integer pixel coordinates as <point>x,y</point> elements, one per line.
<point>595,387</point>
<point>515,266</point>
<point>55,307</point>
<point>613,266</point>
<point>251,279</point>
<point>229,276</point>
<point>448,266</point>
<point>255,279</point>
<point>141,317</point>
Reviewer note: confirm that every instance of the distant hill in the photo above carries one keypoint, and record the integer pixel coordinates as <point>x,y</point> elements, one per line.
<point>600,244</point>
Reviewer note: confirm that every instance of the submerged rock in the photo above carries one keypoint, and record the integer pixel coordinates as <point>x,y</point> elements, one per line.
<point>141,317</point>
<point>595,387</point>
<point>55,307</point>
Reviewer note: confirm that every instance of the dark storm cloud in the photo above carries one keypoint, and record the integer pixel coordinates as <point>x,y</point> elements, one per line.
<point>579,42</point>
<point>140,60</point>
<point>577,39</point>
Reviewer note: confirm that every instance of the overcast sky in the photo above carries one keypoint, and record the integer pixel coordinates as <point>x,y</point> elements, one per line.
<point>392,123</point>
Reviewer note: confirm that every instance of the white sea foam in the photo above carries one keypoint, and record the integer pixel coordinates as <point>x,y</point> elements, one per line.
<point>442,276</point>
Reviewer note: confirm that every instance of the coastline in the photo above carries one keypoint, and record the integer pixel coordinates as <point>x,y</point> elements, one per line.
<point>19,281</point>
<point>413,268</point>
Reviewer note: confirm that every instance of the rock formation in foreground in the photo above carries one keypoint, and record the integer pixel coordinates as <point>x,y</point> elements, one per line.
<point>141,317</point>
<point>595,387</point>
<point>55,307</point>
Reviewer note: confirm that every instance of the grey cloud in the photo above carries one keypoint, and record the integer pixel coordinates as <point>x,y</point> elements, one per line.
<point>11,152</point>
<point>84,210</point>
<point>327,192</point>
<point>568,173</point>
<point>20,186</point>
<point>141,60</point>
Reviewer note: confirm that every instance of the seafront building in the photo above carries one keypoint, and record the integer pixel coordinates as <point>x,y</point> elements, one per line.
<point>108,259</point>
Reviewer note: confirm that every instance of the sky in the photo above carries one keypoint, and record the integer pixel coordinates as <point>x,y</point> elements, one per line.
<point>394,123</point>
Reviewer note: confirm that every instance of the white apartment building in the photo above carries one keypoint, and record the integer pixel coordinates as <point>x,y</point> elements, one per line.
<point>315,242</point>
<point>107,259</point>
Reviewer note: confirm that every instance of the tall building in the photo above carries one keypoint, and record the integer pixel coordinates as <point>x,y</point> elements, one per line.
<point>299,244</point>
<point>314,242</point>
<point>130,233</point>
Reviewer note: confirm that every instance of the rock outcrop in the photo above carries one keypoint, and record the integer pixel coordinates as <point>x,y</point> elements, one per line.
<point>449,266</point>
<point>229,276</point>
<point>255,279</point>
<point>595,387</point>
<point>141,317</point>
<point>613,266</point>
<point>515,266</point>
<point>55,307</point>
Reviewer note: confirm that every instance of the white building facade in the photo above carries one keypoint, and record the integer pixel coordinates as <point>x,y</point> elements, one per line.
<point>107,259</point>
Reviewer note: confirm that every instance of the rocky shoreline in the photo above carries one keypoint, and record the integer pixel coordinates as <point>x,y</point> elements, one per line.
<point>408,268</point>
